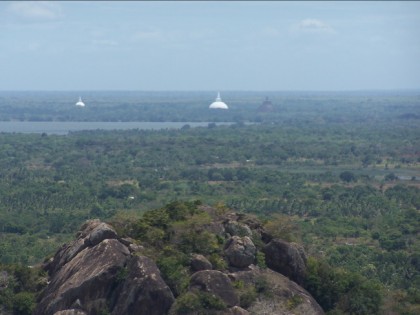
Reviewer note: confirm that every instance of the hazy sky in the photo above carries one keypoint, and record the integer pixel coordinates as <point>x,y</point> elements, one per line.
<point>209,45</point>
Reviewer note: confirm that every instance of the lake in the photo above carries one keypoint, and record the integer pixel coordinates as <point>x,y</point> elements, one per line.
<point>62,128</point>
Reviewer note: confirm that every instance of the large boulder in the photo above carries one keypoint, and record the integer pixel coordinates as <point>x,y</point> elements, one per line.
<point>98,273</point>
<point>240,251</point>
<point>143,291</point>
<point>238,229</point>
<point>101,232</point>
<point>89,277</point>
<point>217,283</point>
<point>277,295</point>
<point>91,233</point>
<point>289,259</point>
<point>199,262</point>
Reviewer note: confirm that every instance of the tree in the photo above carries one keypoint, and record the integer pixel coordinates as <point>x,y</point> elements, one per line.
<point>347,176</point>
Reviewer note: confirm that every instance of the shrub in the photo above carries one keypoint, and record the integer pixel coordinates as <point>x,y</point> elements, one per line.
<point>282,226</point>
<point>218,262</point>
<point>347,176</point>
<point>341,291</point>
<point>198,302</point>
<point>261,260</point>
<point>23,303</point>
<point>174,272</point>
<point>247,297</point>
<point>294,301</point>
<point>262,285</point>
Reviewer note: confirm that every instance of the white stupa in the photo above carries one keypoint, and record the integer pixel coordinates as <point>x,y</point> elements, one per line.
<point>80,103</point>
<point>218,104</point>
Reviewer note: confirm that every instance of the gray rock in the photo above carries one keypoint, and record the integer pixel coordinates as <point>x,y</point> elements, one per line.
<point>127,241</point>
<point>134,248</point>
<point>215,282</point>
<point>235,228</point>
<point>143,292</point>
<point>199,262</point>
<point>91,233</point>
<point>97,273</point>
<point>240,251</point>
<point>101,232</point>
<point>89,277</point>
<point>277,294</point>
<point>71,312</point>
<point>289,259</point>
<point>4,279</point>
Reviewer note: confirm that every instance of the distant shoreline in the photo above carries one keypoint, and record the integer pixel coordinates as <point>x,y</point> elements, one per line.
<point>65,127</point>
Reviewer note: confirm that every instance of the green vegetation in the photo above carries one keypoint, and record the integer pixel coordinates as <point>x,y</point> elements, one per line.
<point>200,303</point>
<point>19,286</point>
<point>338,174</point>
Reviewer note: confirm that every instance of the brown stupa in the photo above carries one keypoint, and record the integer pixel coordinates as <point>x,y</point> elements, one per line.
<point>266,106</point>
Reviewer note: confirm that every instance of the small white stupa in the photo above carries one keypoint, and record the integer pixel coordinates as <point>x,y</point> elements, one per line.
<point>218,104</point>
<point>80,103</point>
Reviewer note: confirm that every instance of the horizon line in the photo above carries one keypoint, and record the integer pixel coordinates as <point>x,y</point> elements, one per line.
<point>211,90</point>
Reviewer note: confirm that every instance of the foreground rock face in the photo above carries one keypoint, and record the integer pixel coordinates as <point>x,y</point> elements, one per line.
<point>97,274</point>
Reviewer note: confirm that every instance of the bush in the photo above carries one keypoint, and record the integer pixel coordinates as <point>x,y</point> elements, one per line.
<point>294,301</point>
<point>186,303</point>
<point>347,176</point>
<point>174,272</point>
<point>23,303</point>
<point>261,260</point>
<point>341,291</point>
<point>218,262</point>
<point>247,297</point>
<point>198,303</point>
<point>283,227</point>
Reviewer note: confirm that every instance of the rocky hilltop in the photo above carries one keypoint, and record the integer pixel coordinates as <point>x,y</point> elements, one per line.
<point>181,259</point>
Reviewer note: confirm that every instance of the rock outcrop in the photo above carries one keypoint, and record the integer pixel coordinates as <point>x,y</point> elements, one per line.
<point>217,283</point>
<point>90,234</point>
<point>99,274</point>
<point>143,291</point>
<point>199,262</point>
<point>289,259</point>
<point>235,228</point>
<point>240,251</point>
<point>278,295</point>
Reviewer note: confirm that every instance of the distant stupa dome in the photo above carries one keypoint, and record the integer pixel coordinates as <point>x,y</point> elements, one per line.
<point>266,106</point>
<point>80,103</point>
<point>218,104</point>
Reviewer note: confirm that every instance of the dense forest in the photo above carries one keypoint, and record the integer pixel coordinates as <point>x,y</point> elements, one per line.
<point>339,174</point>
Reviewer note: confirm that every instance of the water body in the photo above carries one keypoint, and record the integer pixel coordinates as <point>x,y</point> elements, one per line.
<point>63,128</point>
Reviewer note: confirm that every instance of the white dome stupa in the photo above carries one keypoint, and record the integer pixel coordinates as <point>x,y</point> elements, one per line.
<point>218,104</point>
<point>80,103</point>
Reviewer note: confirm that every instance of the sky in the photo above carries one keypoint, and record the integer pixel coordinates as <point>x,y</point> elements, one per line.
<point>209,45</point>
